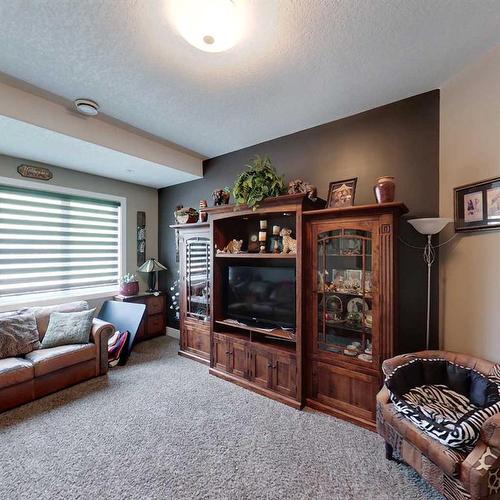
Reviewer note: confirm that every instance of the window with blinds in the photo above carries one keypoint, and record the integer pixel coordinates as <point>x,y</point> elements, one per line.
<point>51,242</point>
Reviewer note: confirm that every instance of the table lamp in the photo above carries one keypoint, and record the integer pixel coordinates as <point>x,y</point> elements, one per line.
<point>429,226</point>
<point>152,266</point>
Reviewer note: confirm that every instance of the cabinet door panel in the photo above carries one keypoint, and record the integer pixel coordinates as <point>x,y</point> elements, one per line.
<point>221,354</point>
<point>238,359</point>
<point>197,339</point>
<point>349,391</point>
<point>285,375</point>
<point>261,368</point>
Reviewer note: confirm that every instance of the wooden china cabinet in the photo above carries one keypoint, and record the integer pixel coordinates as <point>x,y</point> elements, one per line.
<point>345,302</point>
<point>351,304</point>
<point>194,265</point>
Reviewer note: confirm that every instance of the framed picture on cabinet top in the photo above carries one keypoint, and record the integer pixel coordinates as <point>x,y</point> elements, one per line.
<point>341,193</point>
<point>477,206</point>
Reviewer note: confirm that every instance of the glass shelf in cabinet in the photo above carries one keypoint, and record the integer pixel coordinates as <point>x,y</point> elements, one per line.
<point>346,327</point>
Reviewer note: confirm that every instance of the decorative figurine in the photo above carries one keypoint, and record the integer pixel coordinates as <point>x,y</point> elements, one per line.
<point>234,246</point>
<point>221,196</point>
<point>298,186</point>
<point>186,215</point>
<point>289,244</point>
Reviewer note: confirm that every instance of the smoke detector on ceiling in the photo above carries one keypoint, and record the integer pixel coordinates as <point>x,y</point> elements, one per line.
<point>86,107</point>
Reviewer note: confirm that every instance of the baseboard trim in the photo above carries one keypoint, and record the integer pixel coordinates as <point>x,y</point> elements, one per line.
<point>174,333</point>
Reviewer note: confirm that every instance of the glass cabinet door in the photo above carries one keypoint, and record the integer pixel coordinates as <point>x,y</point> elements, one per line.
<point>344,293</point>
<point>198,278</point>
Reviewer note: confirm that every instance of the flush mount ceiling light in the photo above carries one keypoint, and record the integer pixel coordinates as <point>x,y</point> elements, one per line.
<point>86,107</point>
<point>209,25</point>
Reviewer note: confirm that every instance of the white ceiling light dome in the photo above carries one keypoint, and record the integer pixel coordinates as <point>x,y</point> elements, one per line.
<point>209,25</point>
<point>86,107</point>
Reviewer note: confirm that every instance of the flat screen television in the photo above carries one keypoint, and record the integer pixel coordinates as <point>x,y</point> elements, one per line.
<point>260,295</point>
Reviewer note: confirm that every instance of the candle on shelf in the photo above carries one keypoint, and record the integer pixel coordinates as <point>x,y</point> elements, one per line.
<point>263,224</point>
<point>276,230</point>
<point>262,236</point>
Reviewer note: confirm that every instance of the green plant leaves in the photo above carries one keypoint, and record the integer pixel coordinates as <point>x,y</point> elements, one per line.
<point>260,180</point>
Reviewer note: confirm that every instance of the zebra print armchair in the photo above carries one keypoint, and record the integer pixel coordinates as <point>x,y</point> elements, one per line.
<point>443,390</point>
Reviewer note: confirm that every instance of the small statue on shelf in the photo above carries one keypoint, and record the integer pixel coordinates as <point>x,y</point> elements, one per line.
<point>299,186</point>
<point>234,246</point>
<point>289,244</point>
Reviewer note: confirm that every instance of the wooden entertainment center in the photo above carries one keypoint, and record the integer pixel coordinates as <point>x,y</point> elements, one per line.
<point>345,304</point>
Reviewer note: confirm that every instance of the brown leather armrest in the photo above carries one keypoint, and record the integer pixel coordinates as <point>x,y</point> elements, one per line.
<point>383,396</point>
<point>490,433</point>
<point>99,335</point>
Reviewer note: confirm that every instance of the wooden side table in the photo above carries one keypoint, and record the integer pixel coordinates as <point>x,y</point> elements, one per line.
<point>154,322</point>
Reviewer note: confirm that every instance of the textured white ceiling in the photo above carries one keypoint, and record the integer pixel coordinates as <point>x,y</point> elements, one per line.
<point>24,140</point>
<point>300,63</point>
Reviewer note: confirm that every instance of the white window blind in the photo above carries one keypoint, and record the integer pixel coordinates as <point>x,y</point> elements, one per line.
<point>51,241</point>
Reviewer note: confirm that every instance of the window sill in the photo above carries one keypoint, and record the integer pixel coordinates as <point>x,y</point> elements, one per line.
<point>52,298</point>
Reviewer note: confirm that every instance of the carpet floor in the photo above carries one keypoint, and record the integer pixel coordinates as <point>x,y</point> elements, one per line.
<point>162,428</point>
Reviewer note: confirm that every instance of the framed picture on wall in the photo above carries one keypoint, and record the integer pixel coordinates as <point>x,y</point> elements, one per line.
<point>477,206</point>
<point>341,193</point>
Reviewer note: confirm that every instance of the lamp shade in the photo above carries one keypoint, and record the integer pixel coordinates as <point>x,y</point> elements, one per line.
<point>152,265</point>
<point>430,225</point>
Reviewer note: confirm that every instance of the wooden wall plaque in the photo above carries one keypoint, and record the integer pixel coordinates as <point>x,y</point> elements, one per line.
<point>40,173</point>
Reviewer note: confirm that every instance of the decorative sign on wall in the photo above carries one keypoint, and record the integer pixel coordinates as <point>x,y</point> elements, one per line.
<point>40,173</point>
<point>141,238</point>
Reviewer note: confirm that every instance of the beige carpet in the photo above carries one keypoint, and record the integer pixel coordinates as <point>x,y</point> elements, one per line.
<point>162,428</point>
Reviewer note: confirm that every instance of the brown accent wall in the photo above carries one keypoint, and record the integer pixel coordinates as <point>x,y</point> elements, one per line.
<point>399,139</point>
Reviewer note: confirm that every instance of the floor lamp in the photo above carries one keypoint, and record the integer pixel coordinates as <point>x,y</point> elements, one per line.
<point>429,227</point>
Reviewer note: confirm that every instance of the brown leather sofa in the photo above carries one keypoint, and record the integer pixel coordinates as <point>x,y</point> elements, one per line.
<point>43,371</point>
<point>455,474</point>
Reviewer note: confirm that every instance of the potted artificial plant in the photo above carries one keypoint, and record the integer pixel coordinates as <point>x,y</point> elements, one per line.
<point>260,180</point>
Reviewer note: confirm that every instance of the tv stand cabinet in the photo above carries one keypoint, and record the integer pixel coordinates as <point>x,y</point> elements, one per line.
<point>267,362</point>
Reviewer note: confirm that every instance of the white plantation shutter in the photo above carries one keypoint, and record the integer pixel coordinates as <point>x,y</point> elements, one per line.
<point>51,241</point>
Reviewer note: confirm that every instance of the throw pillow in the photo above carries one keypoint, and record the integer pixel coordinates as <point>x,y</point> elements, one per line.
<point>68,328</point>
<point>18,334</point>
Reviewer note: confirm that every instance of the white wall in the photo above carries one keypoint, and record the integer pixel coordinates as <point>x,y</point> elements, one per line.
<point>470,264</point>
<point>139,198</point>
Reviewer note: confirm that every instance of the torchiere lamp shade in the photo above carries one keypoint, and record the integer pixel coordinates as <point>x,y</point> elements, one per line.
<point>152,266</point>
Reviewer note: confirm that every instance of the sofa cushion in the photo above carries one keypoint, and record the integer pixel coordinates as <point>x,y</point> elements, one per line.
<point>15,371</point>
<point>42,313</point>
<point>18,334</point>
<point>55,358</point>
<point>67,328</point>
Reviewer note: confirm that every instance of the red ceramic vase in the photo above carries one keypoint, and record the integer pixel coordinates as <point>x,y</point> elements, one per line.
<point>385,189</point>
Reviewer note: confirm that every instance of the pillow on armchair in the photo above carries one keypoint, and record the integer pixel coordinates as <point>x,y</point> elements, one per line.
<point>445,400</point>
<point>68,328</point>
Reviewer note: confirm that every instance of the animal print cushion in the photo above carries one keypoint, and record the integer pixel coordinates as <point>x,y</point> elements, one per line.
<point>445,415</point>
<point>452,411</point>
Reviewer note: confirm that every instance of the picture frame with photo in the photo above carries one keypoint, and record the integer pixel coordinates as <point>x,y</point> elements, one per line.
<point>341,193</point>
<point>477,206</point>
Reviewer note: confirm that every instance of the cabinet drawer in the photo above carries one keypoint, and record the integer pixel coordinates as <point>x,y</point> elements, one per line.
<point>156,324</point>
<point>155,305</point>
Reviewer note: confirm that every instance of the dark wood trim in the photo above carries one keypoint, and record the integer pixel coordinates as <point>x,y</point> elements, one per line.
<point>285,199</point>
<point>395,207</point>
<point>254,388</point>
<point>316,405</point>
<point>194,357</point>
